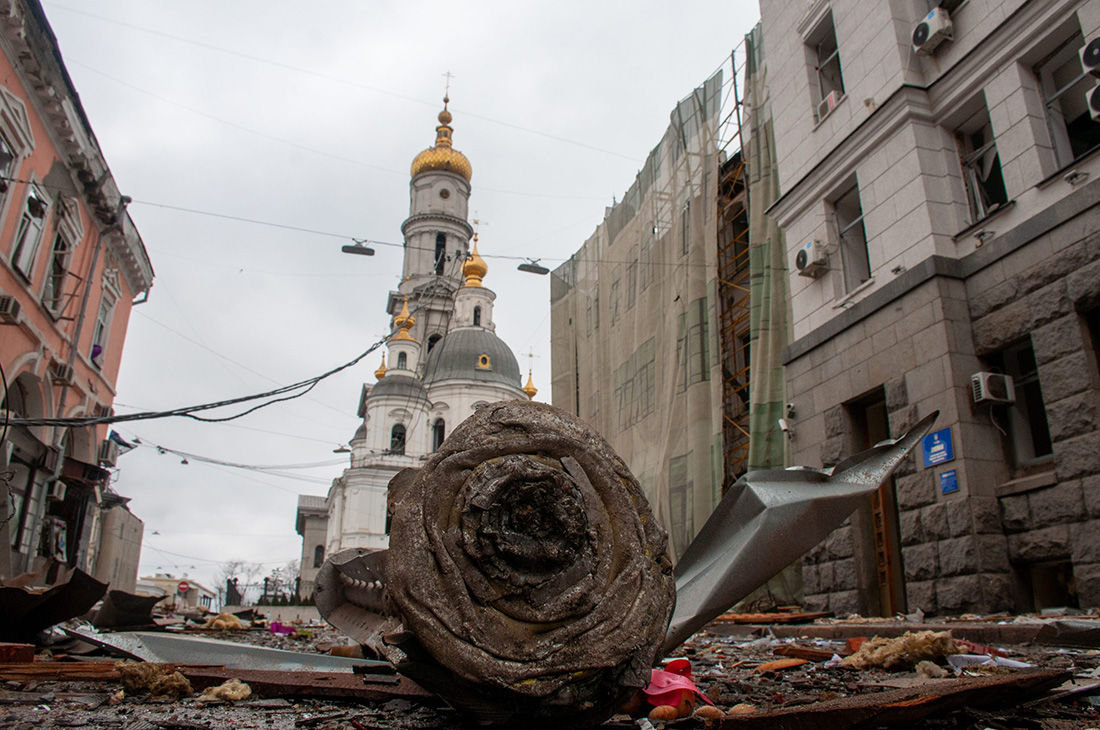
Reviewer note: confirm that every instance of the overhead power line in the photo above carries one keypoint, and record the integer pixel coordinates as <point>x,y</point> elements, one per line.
<point>277,395</point>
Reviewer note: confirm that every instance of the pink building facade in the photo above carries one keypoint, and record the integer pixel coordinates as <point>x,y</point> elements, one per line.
<point>72,265</point>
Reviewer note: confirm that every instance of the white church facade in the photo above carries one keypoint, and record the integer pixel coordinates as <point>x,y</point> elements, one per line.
<point>443,360</point>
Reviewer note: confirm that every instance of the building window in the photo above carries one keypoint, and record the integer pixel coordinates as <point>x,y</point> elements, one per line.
<point>634,385</point>
<point>318,556</point>
<point>981,166</point>
<point>433,340</point>
<point>101,332</point>
<point>824,54</point>
<point>644,273</point>
<point>596,307</point>
<point>852,237</point>
<point>685,228</point>
<point>614,301</point>
<point>402,361</point>
<point>397,439</point>
<point>440,252</point>
<point>7,167</point>
<point>692,348</point>
<point>53,294</point>
<point>631,282</point>
<point>483,362</point>
<point>1027,434</point>
<point>477,316</point>
<point>1063,83</point>
<point>29,233</point>
<point>439,432</point>
<point>680,507</point>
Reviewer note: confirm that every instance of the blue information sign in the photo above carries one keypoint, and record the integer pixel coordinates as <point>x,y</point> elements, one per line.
<point>937,447</point>
<point>949,481</point>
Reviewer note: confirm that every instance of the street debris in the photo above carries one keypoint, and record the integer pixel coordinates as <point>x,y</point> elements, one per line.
<point>225,622</point>
<point>27,610</point>
<point>230,690</point>
<point>158,680</point>
<point>904,651</point>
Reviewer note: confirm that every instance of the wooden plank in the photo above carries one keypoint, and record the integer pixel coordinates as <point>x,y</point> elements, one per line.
<point>806,652</point>
<point>903,705</point>
<point>16,653</point>
<point>773,618</point>
<point>331,685</point>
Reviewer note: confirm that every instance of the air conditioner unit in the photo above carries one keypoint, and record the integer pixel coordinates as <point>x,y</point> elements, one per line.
<point>100,410</point>
<point>988,387</point>
<point>58,490</point>
<point>61,372</point>
<point>826,105</point>
<point>1090,57</point>
<point>811,260</point>
<point>1092,98</point>
<point>108,453</point>
<point>932,31</point>
<point>9,309</point>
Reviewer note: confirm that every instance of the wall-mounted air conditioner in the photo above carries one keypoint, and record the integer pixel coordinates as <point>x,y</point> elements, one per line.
<point>986,387</point>
<point>9,309</point>
<point>1092,98</point>
<point>108,453</point>
<point>1090,57</point>
<point>932,31</point>
<point>811,260</point>
<point>61,372</point>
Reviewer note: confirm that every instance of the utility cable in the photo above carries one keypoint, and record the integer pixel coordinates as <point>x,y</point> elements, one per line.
<point>189,411</point>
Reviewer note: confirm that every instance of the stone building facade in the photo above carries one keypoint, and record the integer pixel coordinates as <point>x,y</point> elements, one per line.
<point>944,189</point>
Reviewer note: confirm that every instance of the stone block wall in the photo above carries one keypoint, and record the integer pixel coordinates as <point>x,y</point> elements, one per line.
<point>1053,516</point>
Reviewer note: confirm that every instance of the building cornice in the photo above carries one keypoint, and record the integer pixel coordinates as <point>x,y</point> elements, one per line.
<point>426,220</point>
<point>33,50</point>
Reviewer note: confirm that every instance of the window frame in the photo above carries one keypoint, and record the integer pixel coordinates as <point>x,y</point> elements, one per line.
<point>972,156</point>
<point>855,255</point>
<point>1051,94</point>
<point>24,256</point>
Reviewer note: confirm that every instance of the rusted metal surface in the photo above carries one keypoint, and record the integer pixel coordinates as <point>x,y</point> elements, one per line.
<point>903,706</point>
<point>349,592</point>
<point>331,685</point>
<point>529,577</point>
<point>767,520</point>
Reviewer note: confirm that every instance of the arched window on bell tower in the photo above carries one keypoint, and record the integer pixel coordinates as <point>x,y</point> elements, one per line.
<point>477,316</point>
<point>397,439</point>
<point>318,556</point>
<point>402,361</point>
<point>439,432</point>
<point>440,252</point>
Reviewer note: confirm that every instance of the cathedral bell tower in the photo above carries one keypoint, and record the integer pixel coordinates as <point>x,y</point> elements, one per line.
<point>436,233</point>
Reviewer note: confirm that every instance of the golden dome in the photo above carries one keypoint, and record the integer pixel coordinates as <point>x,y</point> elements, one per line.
<point>403,316</point>
<point>381,371</point>
<point>475,268</point>
<point>443,157</point>
<point>403,322</point>
<point>530,388</point>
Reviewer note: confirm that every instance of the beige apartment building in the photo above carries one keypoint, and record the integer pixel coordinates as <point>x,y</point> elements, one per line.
<point>938,185</point>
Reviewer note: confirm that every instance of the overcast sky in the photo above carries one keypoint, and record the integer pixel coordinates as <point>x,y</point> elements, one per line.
<point>308,116</point>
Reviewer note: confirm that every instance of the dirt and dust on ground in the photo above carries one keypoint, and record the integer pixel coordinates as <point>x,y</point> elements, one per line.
<point>998,672</point>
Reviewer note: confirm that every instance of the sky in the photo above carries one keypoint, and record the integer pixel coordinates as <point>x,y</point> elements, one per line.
<point>258,137</point>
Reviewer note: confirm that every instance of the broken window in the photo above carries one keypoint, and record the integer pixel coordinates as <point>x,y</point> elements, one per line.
<point>1027,433</point>
<point>32,221</point>
<point>825,56</point>
<point>853,238</point>
<point>102,329</point>
<point>981,166</point>
<point>53,294</point>
<point>634,385</point>
<point>1063,83</point>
